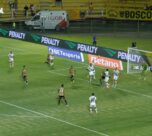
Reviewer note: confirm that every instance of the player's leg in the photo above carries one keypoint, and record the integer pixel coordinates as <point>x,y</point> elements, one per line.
<point>25,80</point>
<point>72,78</point>
<point>143,75</point>
<point>59,100</point>
<point>12,64</point>
<point>107,85</point>
<point>114,82</point>
<point>94,77</point>
<point>91,108</point>
<point>95,108</point>
<point>52,64</point>
<point>65,100</point>
<point>107,82</point>
<point>90,78</point>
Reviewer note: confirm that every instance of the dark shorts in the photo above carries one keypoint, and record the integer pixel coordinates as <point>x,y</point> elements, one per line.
<point>61,97</point>
<point>71,76</point>
<point>24,77</point>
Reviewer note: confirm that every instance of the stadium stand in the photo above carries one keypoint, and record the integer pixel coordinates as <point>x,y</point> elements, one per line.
<point>78,10</point>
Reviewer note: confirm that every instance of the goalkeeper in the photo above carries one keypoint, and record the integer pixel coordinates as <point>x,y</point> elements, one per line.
<point>144,70</point>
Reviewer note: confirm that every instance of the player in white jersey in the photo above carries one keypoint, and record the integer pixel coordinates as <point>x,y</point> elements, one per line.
<point>11,59</point>
<point>107,76</point>
<point>91,70</point>
<point>51,60</point>
<point>115,77</point>
<point>91,67</point>
<point>92,100</point>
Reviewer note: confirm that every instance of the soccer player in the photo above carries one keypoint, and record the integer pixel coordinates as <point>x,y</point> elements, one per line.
<point>94,40</point>
<point>102,78</point>
<point>61,94</point>
<point>48,59</point>
<point>115,77</point>
<point>91,70</point>
<point>92,100</point>
<point>11,59</point>
<point>91,67</point>
<point>144,69</point>
<point>24,75</point>
<point>51,60</point>
<point>106,80</point>
<point>72,73</point>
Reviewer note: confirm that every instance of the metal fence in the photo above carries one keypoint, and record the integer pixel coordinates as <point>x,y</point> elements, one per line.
<point>100,26</point>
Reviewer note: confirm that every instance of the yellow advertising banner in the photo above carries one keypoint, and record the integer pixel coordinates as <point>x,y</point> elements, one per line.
<point>129,14</point>
<point>74,14</point>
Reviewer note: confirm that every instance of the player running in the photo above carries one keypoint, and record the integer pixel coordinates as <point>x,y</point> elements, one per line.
<point>11,59</point>
<point>115,77</point>
<point>50,60</point>
<point>106,79</point>
<point>72,73</point>
<point>24,75</point>
<point>61,95</point>
<point>92,100</point>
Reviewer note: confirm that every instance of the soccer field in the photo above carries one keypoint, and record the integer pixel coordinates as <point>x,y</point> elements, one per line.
<point>33,110</point>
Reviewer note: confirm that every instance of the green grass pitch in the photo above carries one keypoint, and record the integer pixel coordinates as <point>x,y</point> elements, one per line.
<point>33,110</point>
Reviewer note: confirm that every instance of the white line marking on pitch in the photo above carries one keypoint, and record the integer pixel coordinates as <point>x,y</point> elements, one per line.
<point>125,90</point>
<point>19,116</point>
<point>68,68</point>
<point>51,117</point>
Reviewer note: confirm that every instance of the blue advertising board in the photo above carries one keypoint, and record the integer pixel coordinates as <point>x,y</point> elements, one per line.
<point>68,54</point>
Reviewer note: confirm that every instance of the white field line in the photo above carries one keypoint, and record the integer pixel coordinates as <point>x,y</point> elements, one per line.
<point>57,119</point>
<point>125,90</point>
<point>132,92</point>
<point>19,49</point>
<point>68,68</point>
<point>19,116</point>
<point>13,48</point>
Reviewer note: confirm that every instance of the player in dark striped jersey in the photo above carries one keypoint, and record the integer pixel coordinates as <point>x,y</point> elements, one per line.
<point>61,95</point>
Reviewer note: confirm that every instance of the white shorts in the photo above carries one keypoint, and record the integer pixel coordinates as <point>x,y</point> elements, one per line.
<point>106,79</point>
<point>11,60</point>
<point>115,78</point>
<point>91,73</point>
<point>92,105</point>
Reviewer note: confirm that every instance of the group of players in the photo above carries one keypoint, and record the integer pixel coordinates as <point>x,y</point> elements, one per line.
<point>105,76</point>
<point>104,79</point>
<point>24,70</point>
